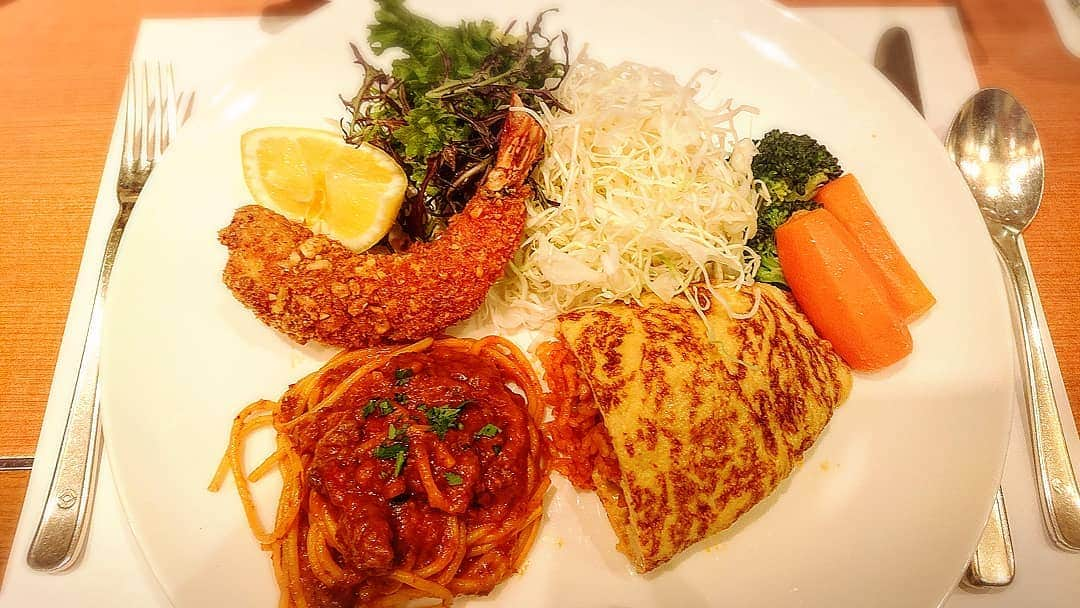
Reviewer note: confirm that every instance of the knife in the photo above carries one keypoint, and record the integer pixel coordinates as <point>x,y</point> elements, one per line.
<point>992,564</point>
<point>16,463</point>
<point>895,59</point>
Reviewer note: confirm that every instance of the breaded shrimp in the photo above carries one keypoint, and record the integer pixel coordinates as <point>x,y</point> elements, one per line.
<point>311,287</point>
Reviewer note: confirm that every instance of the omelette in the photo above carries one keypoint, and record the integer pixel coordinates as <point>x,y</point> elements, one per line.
<point>696,424</point>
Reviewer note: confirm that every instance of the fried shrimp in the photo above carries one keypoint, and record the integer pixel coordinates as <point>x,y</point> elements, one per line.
<point>311,287</point>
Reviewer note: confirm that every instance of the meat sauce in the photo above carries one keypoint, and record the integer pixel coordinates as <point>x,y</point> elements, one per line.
<point>430,437</point>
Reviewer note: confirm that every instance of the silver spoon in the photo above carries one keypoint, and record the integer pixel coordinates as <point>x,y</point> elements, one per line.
<point>992,563</point>
<point>994,143</point>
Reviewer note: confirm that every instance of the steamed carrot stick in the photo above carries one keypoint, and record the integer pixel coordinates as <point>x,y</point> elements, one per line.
<point>836,285</point>
<point>845,199</point>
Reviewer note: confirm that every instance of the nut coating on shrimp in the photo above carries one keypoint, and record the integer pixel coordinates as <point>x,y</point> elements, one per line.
<point>311,287</point>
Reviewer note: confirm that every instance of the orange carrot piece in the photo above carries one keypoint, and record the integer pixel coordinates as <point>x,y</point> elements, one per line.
<point>835,284</point>
<point>845,199</point>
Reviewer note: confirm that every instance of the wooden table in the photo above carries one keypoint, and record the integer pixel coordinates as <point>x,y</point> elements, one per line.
<point>62,68</point>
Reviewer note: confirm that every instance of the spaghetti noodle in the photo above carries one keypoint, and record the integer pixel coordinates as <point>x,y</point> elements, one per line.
<point>408,473</point>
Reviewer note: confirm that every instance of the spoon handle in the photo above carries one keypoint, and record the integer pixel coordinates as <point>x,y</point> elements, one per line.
<point>1057,484</point>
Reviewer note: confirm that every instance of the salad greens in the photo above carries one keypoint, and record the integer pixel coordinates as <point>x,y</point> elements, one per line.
<point>439,108</point>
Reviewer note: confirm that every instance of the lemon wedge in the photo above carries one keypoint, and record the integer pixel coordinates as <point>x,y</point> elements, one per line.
<point>312,176</point>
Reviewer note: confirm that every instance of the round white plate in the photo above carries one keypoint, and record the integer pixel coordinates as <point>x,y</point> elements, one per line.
<point>885,510</point>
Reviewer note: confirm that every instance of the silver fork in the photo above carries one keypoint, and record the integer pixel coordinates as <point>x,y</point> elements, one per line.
<point>150,120</point>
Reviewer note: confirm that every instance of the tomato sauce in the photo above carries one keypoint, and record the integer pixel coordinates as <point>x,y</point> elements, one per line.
<point>431,440</point>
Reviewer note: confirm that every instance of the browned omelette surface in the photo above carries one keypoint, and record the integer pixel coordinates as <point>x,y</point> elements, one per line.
<point>702,430</point>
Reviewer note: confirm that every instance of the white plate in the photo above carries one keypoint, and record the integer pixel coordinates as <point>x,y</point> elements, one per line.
<point>884,511</point>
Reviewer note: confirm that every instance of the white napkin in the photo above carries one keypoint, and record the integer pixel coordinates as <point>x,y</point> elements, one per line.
<point>113,571</point>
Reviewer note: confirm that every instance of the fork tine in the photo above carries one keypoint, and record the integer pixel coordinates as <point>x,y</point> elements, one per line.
<point>153,132</point>
<point>159,105</point>
<point>127,156</point>
<point>168,105</point>
<point>150,123</point>
<point>143,157</point>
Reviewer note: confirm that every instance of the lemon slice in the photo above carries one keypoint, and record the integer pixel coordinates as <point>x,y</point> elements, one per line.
<point>312,176</point>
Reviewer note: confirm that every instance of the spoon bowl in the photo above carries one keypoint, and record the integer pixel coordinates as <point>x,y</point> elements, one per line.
<point>994,143</point>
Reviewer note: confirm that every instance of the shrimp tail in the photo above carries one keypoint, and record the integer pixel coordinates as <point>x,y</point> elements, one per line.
<point>520,144</point>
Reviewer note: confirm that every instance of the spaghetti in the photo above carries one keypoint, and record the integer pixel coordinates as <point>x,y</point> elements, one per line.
<point>408,473</point>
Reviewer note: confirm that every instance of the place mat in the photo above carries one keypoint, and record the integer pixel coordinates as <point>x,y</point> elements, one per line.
<point>113,571</point>
<point>1066,14</point>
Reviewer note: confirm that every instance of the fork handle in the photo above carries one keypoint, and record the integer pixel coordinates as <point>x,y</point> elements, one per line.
<point>61,532</point>
<point>1053,469</point>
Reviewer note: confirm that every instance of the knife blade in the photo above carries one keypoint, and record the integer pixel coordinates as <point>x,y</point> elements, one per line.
<point>895,59</point>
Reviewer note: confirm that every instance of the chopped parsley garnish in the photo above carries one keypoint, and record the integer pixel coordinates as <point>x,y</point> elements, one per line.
<point>383,406</point>
<point>454,479</point>
<point>442,419</point>
<point>488,430</point>
<point>393,432</point>
<point>389,451</point>
<point>401,397</point>
<point>402,376</point>
<point>395,452</point>
<point>495,449</point>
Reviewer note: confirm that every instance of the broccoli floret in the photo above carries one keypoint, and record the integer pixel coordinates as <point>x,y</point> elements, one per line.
<point>764,242</point>
<point>769,271</point>
<point>792,167</point>
<point>772,214</point>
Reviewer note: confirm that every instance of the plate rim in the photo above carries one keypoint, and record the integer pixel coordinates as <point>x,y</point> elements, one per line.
<point>833,48</point>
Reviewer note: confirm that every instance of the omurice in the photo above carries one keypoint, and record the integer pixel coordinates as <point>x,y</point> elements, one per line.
<point>680,421</point>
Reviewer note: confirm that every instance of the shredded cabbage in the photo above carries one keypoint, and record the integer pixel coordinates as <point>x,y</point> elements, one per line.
<point>651,192</point>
